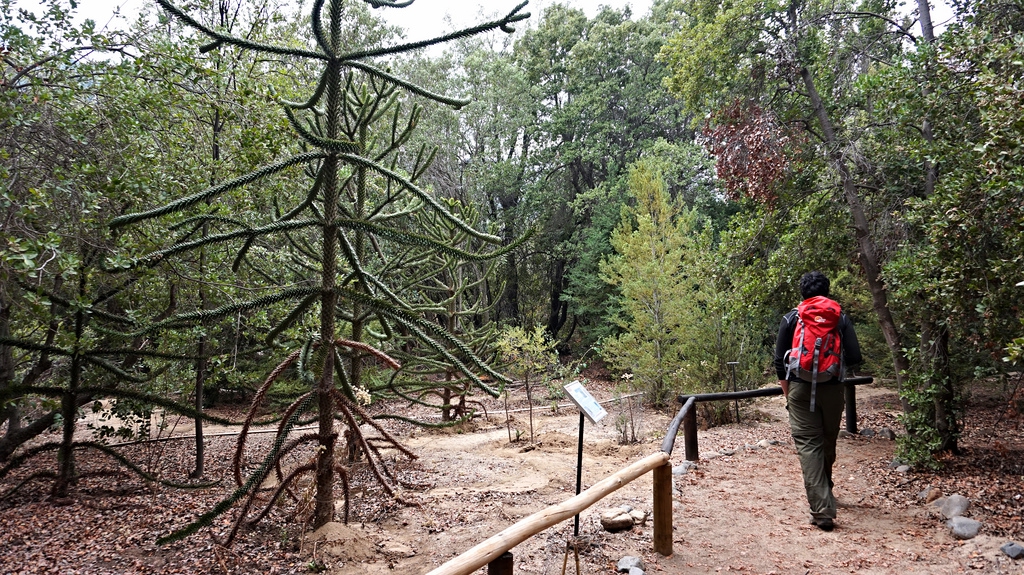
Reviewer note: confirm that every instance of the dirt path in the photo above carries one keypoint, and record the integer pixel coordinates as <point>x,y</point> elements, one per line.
<point>743,512</point>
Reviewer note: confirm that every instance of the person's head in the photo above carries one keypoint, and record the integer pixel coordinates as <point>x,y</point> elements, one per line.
<point>813,284</point>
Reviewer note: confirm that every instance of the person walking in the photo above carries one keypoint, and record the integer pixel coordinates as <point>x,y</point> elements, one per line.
<point>810,366</point>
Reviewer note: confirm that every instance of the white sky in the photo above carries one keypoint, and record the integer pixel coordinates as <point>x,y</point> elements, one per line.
<point>423,19</point>
<point>427,18</point>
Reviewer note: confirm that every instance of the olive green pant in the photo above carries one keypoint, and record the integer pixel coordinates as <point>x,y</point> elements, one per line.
<point>815,437</point>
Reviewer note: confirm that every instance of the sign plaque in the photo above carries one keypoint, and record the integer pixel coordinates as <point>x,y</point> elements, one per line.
<point>586,402</point>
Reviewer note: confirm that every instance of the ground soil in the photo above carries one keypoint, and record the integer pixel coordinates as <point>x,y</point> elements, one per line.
<point>743,512</point>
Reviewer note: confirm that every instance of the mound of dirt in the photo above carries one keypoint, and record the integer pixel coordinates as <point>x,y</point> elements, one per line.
<point>344,543</point>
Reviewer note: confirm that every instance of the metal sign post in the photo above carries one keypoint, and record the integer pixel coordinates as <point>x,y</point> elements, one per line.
<point>592,410</point>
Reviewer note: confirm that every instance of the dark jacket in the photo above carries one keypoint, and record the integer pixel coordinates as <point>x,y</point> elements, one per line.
<point>783,343</point>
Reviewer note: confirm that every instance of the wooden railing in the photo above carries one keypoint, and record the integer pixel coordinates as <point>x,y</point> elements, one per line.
<point>690,420</point>
<point>494,551</point>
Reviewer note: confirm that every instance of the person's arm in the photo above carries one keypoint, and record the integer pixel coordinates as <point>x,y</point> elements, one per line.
<point>783,342</point>
<point>851,347</point>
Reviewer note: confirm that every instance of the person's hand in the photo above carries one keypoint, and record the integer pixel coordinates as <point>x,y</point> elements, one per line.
<point>785,387</point>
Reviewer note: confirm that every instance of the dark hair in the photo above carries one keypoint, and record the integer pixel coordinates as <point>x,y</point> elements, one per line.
<point>813,284</point>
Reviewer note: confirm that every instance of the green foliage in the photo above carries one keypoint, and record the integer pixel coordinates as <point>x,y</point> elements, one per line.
<point>1015,349</point>
<point>357,272</point>
<point>648,272</point>
<point>922,440</point>
<point>954,276</point>
<point>528,353</point>
<point>680,325</point>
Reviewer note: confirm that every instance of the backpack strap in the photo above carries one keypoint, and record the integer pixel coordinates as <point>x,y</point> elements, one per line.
<point>814,371</point>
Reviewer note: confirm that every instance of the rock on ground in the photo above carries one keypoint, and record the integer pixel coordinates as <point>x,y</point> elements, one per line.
<point>964,528</point>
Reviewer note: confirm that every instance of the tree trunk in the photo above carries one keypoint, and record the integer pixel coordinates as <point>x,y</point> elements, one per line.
<point>508,307</point>
<point>558,309</point>
<point>935,348</point>
<point>323,511</point>
<point>69,402</point>
<point>10,412</point>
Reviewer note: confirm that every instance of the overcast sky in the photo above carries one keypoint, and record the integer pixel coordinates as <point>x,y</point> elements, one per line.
<point>427,18</point>
<point>423,19</point>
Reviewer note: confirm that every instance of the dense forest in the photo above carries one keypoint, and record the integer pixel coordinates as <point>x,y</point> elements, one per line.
<point>319,212</point>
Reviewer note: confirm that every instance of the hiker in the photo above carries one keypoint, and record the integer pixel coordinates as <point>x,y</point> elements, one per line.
<point>810,373</point>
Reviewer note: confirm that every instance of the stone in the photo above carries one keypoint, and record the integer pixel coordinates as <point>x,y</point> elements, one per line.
<point>615,520</point>
<point>713,456</point>
<point>903,469</point>
<point>636,571</point>
<point>868,432</point>
<point>764,444</point>
<point>896,463</point>
<point>964,528</point>
<point>929,494</point>
<point>845,434</point>
<point>684,468</point>
<point>639,517</point>
<point>629,562</point>
<point>727,452</point>
<point>1013,550</point>
<point>886,433</point>
<point>955,506</point>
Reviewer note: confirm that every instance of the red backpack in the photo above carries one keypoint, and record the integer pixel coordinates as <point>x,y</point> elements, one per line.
<point>816,352</point>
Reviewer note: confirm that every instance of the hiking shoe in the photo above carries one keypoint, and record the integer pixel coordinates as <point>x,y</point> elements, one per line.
<point>825,523</point>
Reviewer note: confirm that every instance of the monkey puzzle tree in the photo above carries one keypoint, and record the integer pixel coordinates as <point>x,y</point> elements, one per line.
<point>453,292</point>
<point>341,234</point>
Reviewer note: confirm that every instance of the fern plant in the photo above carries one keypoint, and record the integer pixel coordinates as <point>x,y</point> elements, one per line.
<point>343,237</point>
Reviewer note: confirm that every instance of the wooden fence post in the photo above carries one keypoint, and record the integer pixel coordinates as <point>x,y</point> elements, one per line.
<point>851,407</point>
<point>502,565</point>
<point>663,509</point>
<point>690,435</point>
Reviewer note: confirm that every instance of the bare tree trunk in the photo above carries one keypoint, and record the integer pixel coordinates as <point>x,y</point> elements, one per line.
<point>10,412</point>
<point>509,304</point>
<point>558,309</point>
<point>69,403</point>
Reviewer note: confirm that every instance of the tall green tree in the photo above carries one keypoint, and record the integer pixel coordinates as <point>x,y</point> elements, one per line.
<point>957,271</point>
<point>357,201</point>
<point>781,77</point>
<point>63,315</point>
<point>648,270</point>
<point>602,106</point>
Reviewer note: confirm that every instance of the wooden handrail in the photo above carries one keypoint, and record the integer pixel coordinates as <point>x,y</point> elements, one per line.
<point>668,443</point>
<point>492,548</point>
<point>690,417</point>
<point>762,392</point>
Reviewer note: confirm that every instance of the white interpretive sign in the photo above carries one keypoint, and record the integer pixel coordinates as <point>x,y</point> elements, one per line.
<point>586,402</point>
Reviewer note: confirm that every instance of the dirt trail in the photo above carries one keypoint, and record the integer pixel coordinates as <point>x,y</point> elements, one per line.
<point>743,512</point>
<point>740,513</point>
